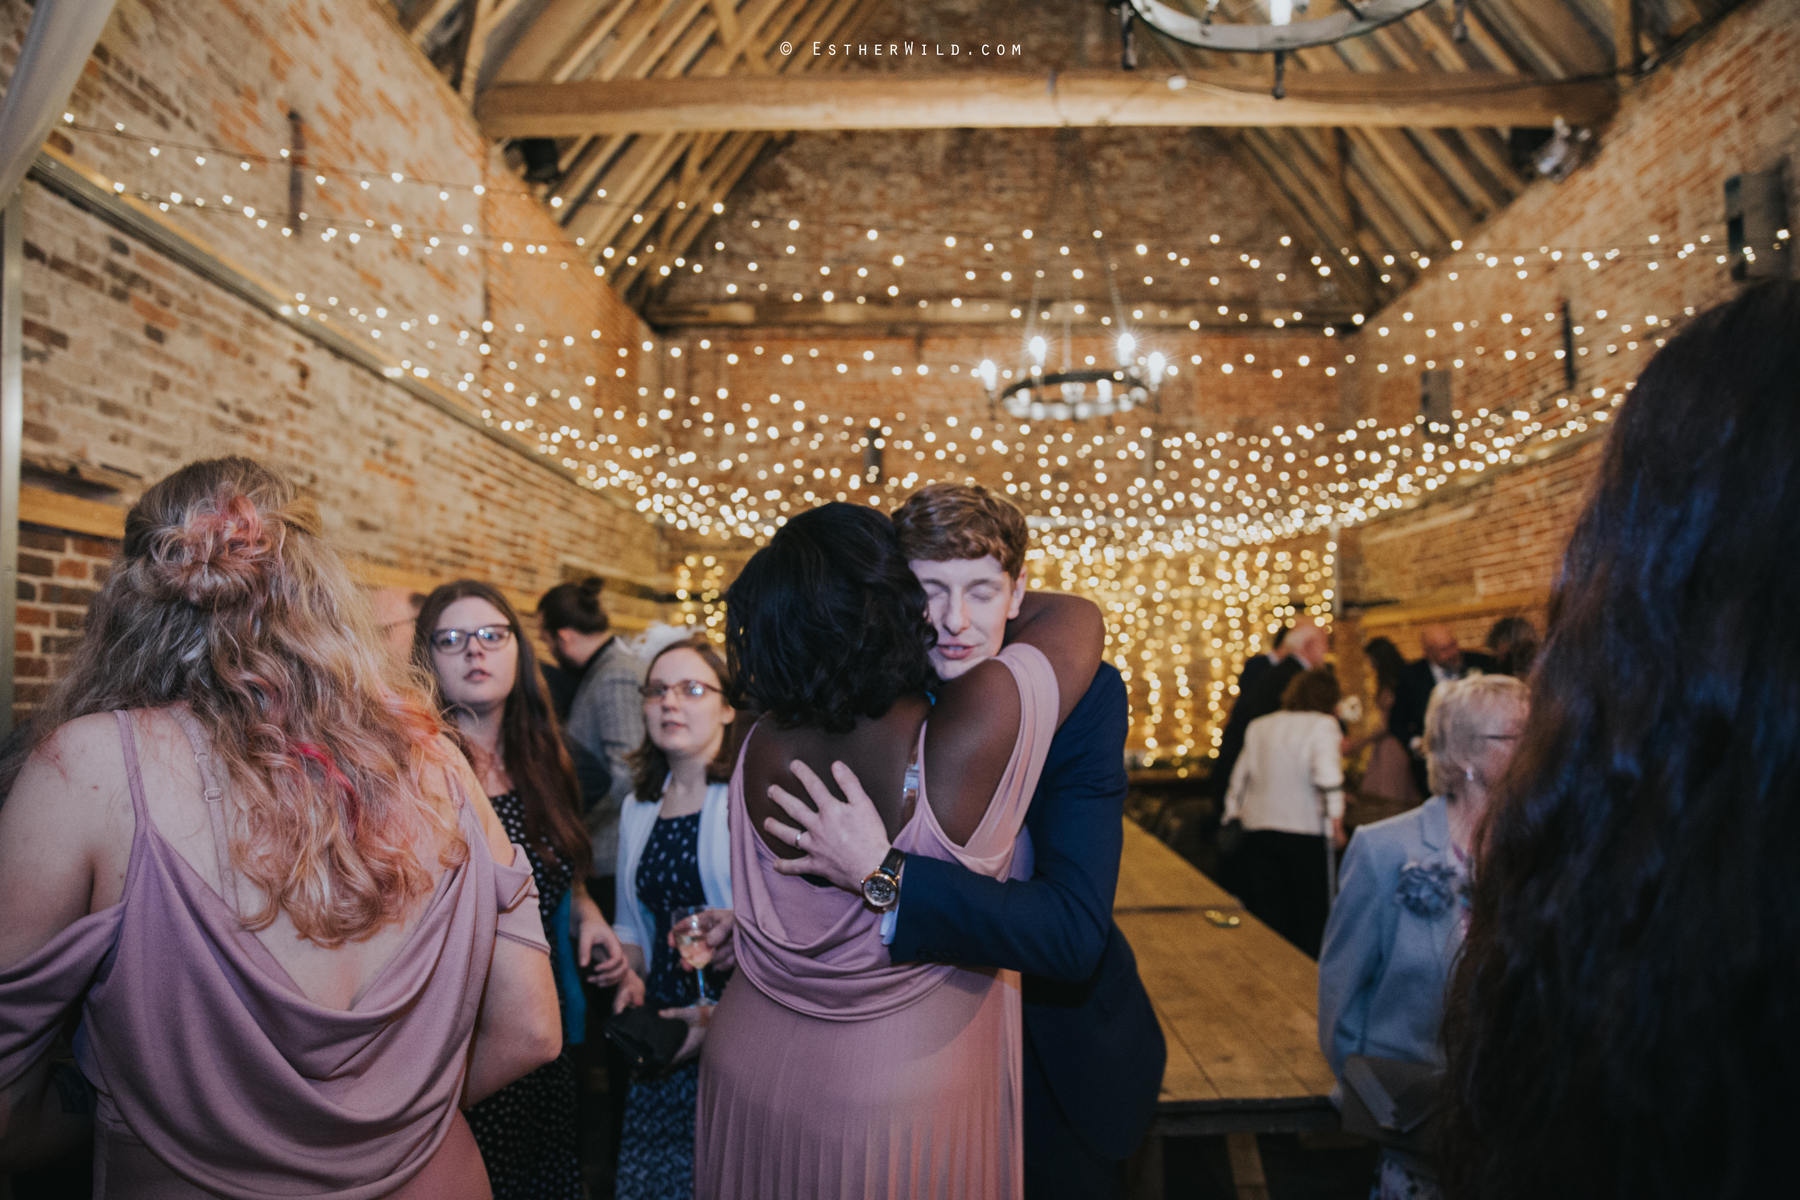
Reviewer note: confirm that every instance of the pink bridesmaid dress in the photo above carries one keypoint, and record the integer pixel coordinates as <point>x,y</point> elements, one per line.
<point>831,1072</point>
<point>214,1074</point>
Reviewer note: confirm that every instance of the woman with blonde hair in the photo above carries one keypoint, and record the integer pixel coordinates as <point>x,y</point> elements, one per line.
<point>295,932</point>
<point>1400,916</point>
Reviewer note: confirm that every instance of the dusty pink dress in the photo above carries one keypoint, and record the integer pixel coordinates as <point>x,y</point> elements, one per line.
<point>829,1072</point>
<point>217,1077</point>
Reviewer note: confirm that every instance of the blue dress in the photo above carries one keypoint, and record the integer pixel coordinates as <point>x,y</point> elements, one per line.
<point>656,1147</point>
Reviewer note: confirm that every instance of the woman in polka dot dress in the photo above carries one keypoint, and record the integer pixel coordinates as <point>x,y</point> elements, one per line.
<point>469,640</point>
<point>674,852</point>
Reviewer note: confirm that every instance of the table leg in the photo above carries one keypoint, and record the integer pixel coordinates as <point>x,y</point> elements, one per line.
<point>1144,1170</point>
<point>1246,1166</point>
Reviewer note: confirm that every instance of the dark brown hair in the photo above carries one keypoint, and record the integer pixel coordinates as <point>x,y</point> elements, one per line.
<point>1622,1023</point>
<point>653,765</point>
<point>947,521</point>
<point>575,606</point>
<point>531,745</point>
<point>1316,690</point>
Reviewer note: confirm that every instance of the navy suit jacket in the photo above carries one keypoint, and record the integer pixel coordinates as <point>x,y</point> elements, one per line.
<point>1088,1019</point>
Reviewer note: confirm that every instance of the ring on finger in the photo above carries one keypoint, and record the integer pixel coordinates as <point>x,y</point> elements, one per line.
<point>797,836</point>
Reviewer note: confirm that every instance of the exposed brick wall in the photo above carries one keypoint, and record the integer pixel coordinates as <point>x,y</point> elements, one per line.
<point>136,364</point>
<point>58,576</point>
<point>1730,104</point>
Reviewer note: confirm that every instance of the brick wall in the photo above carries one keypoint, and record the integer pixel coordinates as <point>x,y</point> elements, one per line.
<point>58,576</point>
<point>1653,190</point>
<point>135,364</point>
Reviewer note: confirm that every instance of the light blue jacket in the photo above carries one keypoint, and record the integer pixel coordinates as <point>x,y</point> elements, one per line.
<point>1392,939</point>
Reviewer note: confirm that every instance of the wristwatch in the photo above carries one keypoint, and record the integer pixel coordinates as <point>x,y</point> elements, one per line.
<point>881,887</point>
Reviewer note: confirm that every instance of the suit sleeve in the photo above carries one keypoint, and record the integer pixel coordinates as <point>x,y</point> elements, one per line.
<point>1358,938</point>
<point>1056,923</point>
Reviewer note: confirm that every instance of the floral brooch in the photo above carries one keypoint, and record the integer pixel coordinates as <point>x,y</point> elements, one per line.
<point>1429,889</point>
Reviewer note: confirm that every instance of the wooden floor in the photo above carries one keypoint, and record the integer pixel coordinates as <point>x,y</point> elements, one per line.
<point>1238,1004</point>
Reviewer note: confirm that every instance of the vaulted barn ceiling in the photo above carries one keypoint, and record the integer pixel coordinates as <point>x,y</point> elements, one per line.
<point>636,168</point>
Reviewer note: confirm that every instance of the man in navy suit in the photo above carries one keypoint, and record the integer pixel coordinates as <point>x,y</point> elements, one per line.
<point>1094,1053</point>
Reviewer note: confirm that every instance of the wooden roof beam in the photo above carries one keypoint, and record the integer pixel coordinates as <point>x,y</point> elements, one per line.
<point>994,100</point>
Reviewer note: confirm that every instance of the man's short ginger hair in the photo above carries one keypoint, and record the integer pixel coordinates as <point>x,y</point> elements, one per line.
<point>945,521</point>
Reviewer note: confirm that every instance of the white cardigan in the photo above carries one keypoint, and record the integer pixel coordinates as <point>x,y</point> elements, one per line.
<point>634,923</point>
<point>1289,760</point>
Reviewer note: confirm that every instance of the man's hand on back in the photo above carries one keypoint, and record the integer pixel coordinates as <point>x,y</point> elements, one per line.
<point>844,840</point>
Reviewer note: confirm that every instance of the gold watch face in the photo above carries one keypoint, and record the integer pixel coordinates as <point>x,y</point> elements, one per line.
<point>880,890</point>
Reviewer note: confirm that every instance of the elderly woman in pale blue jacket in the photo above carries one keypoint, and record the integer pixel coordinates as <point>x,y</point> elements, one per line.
<point>1398,922</point>
<point>674,853</point>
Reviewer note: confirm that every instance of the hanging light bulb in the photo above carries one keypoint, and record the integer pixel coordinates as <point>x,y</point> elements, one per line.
<point>990,375</point>
<point>1127,344</point>
<point>1039,348</point>
<point>1157,364</point>
<point>1281,11</point>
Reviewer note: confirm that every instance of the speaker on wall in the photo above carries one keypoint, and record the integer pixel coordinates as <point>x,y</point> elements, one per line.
<point>1756,225</point>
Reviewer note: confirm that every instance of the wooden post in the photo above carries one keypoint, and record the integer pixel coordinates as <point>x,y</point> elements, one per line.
<point>1624,15</point>
<point>12,432</point>
<point>1246,1166</point>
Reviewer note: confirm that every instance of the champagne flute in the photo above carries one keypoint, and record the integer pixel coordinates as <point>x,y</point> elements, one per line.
<point>688,926</point>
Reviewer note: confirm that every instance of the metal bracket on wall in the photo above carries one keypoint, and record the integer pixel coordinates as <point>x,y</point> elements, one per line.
<point>84,190</point>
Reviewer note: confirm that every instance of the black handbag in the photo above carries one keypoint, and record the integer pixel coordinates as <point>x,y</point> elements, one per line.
<point>648,1042</point>
<point>1393,1103</point>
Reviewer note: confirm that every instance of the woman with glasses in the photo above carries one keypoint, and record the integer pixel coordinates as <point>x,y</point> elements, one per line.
<point>469,641</point>
<point>1401,913</point>
<point>674,853</point>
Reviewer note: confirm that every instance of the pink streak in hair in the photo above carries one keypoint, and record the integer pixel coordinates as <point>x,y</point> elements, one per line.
<point>321,756</point>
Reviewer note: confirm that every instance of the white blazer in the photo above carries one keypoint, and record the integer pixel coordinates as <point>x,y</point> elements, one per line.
<point>635,924</point>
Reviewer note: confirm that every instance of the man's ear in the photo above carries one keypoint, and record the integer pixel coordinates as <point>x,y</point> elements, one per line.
<point>1018,597</point>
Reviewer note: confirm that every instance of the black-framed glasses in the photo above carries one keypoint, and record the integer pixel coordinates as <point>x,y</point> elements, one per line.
<point>452,641</point>
<point>692,689</point>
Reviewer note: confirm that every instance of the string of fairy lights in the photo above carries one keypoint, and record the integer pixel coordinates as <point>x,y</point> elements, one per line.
<point>1197,541</point>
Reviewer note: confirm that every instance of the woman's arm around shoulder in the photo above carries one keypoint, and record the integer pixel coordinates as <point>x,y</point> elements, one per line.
<point>1071,633</point>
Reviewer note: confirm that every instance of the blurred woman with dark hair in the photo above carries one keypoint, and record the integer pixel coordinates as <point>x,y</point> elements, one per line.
<point>827,636</point>
<point>469,640</point>
<point>1385,786</point>
<point>1287,789</point>
<point>1623,1022</point>
<point>275,893</point>
<point>1513,641</point>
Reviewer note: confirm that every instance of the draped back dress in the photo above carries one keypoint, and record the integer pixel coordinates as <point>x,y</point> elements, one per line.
<point>215,1075</point>
<point>830,1072</point>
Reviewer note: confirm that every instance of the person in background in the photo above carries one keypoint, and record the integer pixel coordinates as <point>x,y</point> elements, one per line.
<point>1513,641</point>
<point>396,608</point>
<point>1094,1053</point>
<point>1444,661</point>
<point>295,932</point>
<point>674,852</point>
<point>470,642</point>
<point>1303,650</point>
<point>1403,905</point>
<point>1385,788</point>
<point>1622,1020</point>
<point>1287,789</point>
<point>606,718</point>
<point>1259,663</point>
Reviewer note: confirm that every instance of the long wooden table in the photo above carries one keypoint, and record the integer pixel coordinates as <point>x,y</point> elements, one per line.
<point>1239,1009</point>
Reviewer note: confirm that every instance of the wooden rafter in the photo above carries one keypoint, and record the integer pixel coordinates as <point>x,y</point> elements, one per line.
<point>964,100</point>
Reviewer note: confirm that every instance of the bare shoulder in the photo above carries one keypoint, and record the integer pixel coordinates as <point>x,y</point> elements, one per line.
<point>65,834</point>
